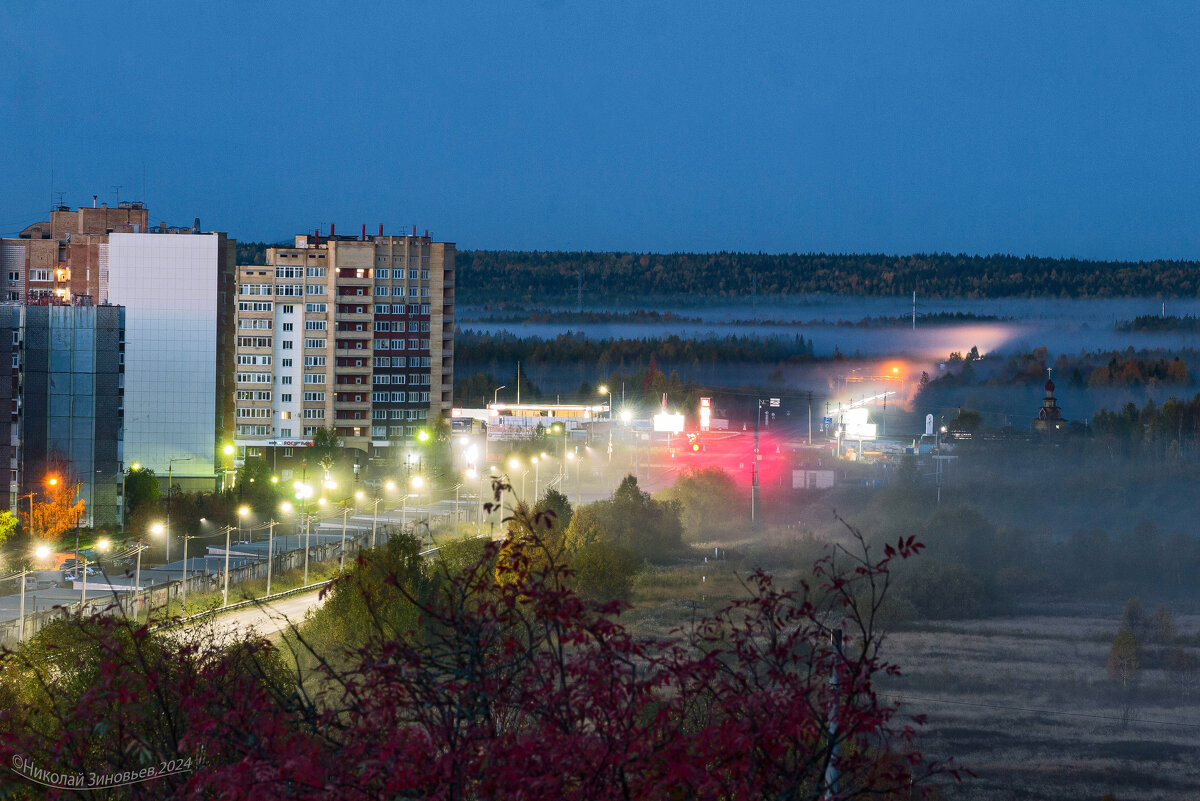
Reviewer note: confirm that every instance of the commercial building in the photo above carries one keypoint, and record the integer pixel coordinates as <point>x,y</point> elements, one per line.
<point>177,284</point>
<point>353,333</point>
<point>70,401</point>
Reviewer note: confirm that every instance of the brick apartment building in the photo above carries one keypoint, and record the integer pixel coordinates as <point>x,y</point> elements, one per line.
<point>354,333</point>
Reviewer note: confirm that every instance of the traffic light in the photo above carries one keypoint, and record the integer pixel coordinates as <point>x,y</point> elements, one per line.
<point>694,442</point>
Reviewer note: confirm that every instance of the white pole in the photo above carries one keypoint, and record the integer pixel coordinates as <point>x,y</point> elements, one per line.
<point>374,520</point>
<point>307,520</point>
<point>270,552</point>
<point>225,592</point>
<point>137,577</point>
<point>21,624</point>
<point>342,561</point>
<point>83,595</point>
<point>183,592</point>
<point>457,516</point>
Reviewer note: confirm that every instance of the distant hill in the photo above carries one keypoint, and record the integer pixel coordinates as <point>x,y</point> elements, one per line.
<point>540,276</point>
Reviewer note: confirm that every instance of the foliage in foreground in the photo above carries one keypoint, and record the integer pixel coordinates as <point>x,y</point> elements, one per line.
<point>513,688</point>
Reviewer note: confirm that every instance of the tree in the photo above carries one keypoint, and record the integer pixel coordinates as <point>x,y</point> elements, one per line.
<point>142,491</point>
<point>59,512</point>
<point>1123,664</point>
<point>519,689</point>
<point>709,502</point>
<point>8,524</point>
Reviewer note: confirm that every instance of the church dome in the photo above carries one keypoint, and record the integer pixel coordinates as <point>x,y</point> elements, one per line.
<point>1049,387</point>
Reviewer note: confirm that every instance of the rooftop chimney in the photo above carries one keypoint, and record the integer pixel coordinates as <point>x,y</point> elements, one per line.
<point>414,229</point>
<point>316,237</point>
<point>426,233</point>
<point>364,233</point>
<point>381,229</point>
<point>331,230</point>
<point>93,201</point>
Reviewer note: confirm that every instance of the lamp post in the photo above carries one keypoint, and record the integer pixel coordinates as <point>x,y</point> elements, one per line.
<point>170,484</point>
<point>228,449</point>
<point>183,591</point>
<point>270,551</point>
<point>225,590</point>
<point>537,479</point>
<point>342,559</point>
<point>242,512</point>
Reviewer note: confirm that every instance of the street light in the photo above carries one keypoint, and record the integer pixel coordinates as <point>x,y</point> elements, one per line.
<point>170,483</point>
<point>242,512</point>
<point>133,468</point>
<point>497,392</point>
<point>228,449</point>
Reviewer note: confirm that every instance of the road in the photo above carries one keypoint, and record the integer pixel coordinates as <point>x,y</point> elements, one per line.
<point>268,619</point>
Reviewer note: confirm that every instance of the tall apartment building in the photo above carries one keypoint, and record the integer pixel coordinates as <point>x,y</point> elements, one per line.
<point>351,333</point>
<point>177,284</point>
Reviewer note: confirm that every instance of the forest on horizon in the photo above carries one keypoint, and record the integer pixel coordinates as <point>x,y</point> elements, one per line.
<point>556,276</point>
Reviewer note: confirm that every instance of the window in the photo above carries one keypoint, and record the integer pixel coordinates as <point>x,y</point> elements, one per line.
<point>288,308</point>
<point>255,323</point>
<point>14,275</point>
<point>424,325</point>
<point>382,344</point>
<point>398,379</point>
<point>397,344</point>
<point>397,291</point>
<point>314,308</point>
<point>285,415</point>
<point>379,397</point>
<point>381,378</point>
<point>255,305</point>
<point>254,342</point>
<point>398,274</point>
<point>396,414</point>
<point>413,308</point>
<point>397,308</point>
<point>383,325</point>
<point>413,344</point>
<point>314,343</point>
<point>289,290</point>
<point>286,362</point>
<point>378,431</point>
<point>286,380</point>
<point>315,272</point>
<point>382,308</point>
<point>252,360</point>
<point>253,431</point>
<point>286,326</point>
<point>285,397</point>
<point>289,272</point>
<point>424,275</point>
<point>381,292</point>
<point>314,361</point>
<point>244,289</point>
<point>414,292</point>
<point>397,397</point>
<point>314,397</point>
<point>395,431</point>
<point>314,414</point>
<point>254,378</point>
<point>412,275</point>
<point>424,291</point>
<point>286,432</point>
<point>314,378</point>
<point>253,412</point>
<point>315,289</point>
<point>383,361</point>
<point>424,344</point>
<point>287,344</point>
<point>379,414</point>
<point>424,308</point>
<point>310,430</point>
<point>314,325</point>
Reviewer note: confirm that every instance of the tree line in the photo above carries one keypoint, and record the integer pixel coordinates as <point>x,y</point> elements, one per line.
<point>541,275</point>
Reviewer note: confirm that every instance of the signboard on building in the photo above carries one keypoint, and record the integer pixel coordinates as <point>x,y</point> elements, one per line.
<point>857,425</point>
<point>705,413</point>
<point>289,443</point>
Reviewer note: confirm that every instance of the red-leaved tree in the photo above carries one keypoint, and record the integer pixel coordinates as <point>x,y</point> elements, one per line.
<point>512,689</point>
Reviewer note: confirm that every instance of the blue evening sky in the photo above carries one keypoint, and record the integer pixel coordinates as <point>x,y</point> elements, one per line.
<point>1051,128</point>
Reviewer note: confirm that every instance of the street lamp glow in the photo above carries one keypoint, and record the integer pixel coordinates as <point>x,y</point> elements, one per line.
<point>320,501</point>
<point>358,494</point>
<point>472,473</point>
<point>229,450</point>
<point>156,529</point>
<point>418,482</point>
<point>571,456</point>
<point>243,511</point>
<point>135,466</point>
<point>285,507</point>
<point>514,464</point>
<point>626,415</point>
<point>603,389</point>
<point>389,486</point>
<point>42,552</point>
<point>423,435</point>
<point>103,544</point>
<point>534,460</point>
<point>52,480</point>
<point>274,479</point>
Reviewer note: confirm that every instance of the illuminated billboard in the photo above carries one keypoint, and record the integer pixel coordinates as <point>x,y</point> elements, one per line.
<point>856,426</point>
<point>705,414</point>
<point>670,423</point>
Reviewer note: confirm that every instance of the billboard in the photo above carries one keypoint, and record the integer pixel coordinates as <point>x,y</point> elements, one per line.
<point>670,423</point>
<point>855,422</point>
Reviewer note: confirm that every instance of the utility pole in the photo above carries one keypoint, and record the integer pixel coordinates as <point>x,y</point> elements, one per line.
<point>754,469</point>
<point>810,417</point>
<point>831,773</point>
<point>270,552</point>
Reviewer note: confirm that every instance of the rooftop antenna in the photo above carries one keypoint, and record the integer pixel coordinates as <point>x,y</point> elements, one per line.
<point>117,191</point>
<point>60,197</point>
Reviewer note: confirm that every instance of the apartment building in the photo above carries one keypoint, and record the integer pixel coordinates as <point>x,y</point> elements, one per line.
<point>354,333</point>
<point>177,284</point>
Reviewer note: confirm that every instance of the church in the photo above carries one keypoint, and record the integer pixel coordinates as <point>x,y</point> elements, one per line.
<point>1049,421</point>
